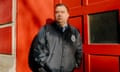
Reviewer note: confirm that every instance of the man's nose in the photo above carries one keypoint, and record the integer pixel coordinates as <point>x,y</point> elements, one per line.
<point>59,15</point>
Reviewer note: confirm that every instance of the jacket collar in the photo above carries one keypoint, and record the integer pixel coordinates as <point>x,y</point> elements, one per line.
<point>59,28</point>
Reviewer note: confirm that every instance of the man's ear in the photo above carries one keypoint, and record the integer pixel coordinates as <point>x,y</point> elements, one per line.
<point>68,15</point>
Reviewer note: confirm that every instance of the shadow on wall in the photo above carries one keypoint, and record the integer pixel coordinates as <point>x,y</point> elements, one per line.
<point>49,21</point>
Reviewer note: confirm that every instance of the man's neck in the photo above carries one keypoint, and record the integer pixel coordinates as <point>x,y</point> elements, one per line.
<point>63,24</point>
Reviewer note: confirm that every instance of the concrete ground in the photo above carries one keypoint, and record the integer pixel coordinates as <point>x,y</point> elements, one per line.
<point>7,63</point>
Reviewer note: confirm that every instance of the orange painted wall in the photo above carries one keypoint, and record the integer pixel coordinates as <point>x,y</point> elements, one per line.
<point>31,16</point>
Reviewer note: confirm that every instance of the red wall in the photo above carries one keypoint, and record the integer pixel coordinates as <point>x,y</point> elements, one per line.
<point>31,15</point>
<point>5,11</point>
<point>6,40</point>
<point>5,31</point>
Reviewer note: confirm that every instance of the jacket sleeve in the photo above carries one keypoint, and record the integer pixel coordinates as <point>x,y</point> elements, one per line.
<point>78,54</point>
<point>39,51</point>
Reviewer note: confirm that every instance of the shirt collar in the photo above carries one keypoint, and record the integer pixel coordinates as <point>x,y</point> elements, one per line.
<point>64,28</point>
<point>65,25</point>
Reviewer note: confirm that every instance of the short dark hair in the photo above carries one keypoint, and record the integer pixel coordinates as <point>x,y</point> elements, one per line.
<point>60,4</point>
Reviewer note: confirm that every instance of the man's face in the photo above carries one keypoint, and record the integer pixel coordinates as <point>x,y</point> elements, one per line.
<point>61,14</point>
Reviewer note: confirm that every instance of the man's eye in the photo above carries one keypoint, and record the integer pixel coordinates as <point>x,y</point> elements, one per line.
<point>62,11</point>
<point>57,12</point>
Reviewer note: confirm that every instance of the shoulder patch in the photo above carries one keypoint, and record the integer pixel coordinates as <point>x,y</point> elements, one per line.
<point>73,38</point>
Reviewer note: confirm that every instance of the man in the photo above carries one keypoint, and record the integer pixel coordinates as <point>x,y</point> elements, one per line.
<point>57,47</point>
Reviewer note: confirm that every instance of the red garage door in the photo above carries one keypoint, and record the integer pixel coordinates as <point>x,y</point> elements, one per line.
<point>98,22</point>
<point>6,26</point>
